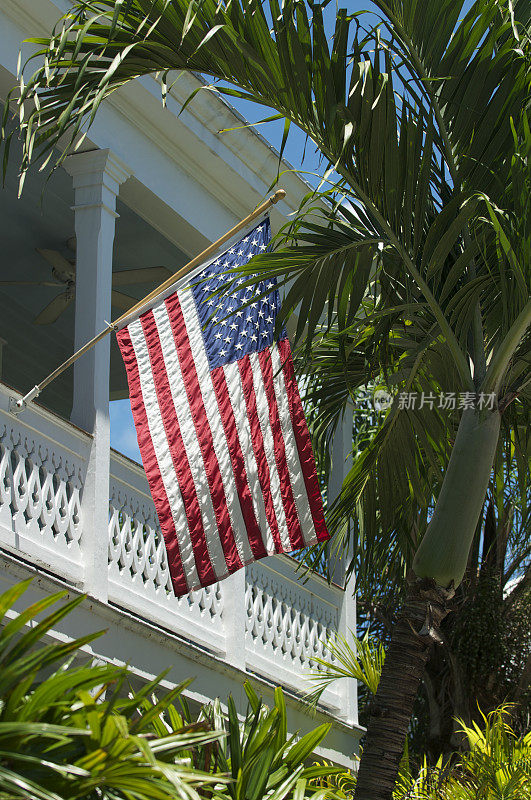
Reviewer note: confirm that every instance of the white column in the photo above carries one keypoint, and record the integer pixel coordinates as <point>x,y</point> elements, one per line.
<point>341,464</point>
<point>97,176</point>
<point>234,614</point>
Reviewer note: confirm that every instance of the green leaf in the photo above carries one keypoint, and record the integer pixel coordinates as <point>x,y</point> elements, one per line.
<point>306,745</point>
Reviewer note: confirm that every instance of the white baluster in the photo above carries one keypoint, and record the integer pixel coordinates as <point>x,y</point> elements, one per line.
<point>6,479</point>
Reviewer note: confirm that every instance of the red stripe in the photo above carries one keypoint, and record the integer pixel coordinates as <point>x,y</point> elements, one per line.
<point>264,477</point>
<point>304,445</point>
<point>151,466</point>
<point>179,458</point>
<point>204,434</point>
<point>238,465</point>
<point>286,490</point>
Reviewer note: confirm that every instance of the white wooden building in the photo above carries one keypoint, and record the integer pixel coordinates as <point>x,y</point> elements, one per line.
<point>150,188</point>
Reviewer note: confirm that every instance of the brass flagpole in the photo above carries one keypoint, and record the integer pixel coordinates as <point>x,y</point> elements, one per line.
<point>19,405</point>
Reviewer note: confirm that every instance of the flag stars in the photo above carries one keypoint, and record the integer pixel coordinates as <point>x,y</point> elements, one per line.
<point>241,318</point>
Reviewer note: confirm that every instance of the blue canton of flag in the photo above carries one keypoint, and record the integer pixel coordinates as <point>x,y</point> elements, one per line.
<point>230,331</point>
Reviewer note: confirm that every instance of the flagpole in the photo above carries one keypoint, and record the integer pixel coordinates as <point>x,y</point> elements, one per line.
<point>16,406</point>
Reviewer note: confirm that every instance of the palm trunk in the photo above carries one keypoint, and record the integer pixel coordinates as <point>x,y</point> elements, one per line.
<point>425,607</point>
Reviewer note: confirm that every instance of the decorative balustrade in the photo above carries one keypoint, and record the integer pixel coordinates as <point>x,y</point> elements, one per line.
<point>276,629</point>
<point>139,578</point>
<point>42,467</point>
<point>289,623</point>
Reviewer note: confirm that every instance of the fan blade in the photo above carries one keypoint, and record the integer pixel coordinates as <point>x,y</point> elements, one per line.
<point>31,283</point>
<point>142,275</point>
<point>57,261</point>
<point>54,309</point>
<point>123,301</point>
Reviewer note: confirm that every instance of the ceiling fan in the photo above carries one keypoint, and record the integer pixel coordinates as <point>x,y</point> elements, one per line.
<point>64,277</point>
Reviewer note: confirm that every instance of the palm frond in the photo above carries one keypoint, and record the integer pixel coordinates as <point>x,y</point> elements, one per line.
<point>353,659</point>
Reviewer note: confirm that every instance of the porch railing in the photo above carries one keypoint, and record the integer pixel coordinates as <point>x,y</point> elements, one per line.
<point>262,620</point>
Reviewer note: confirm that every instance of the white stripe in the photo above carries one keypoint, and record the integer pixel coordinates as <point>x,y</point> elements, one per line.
<point>239,408</point>
<point>162,453</point>
<point>262,407</point>
<point>190,441</point>
<point>221,447</point>
<point>296,476</point>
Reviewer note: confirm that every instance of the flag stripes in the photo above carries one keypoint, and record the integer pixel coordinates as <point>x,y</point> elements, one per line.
<point>184,451</point>
<point>239,470</point>
<point>304,444</point>
<point>146,443</point>
<point>267,477</point>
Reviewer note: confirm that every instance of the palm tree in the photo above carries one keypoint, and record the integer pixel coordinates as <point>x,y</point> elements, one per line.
<point>420,257</point>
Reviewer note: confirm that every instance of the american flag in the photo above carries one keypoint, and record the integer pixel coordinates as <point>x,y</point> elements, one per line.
<point>220,424</point>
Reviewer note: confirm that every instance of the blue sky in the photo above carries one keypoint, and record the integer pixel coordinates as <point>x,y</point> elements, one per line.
<point>123,434</point>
